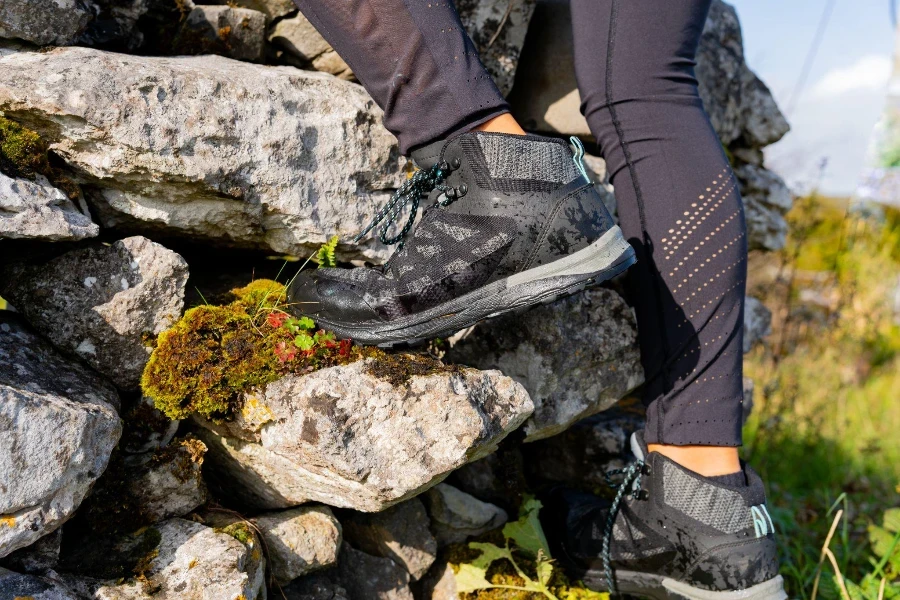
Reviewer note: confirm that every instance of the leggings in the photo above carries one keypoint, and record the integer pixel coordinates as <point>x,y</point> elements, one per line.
<point>677,197</point>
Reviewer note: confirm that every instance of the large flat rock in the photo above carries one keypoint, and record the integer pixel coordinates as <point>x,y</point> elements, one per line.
<point>348,438</point>
<point>208,147</point>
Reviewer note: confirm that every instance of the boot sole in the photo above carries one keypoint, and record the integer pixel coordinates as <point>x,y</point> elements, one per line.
<point>658,587</point>
<point>604,259</point>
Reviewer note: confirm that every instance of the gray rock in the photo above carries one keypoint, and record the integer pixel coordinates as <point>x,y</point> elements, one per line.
<point>347,438</point>
<point>766,200</point>
<point>189,562</point>
<point>101,302</point>
<point>581,456</point>
<point>315,587</point>
<point>169,483</point>
<point>400,533</point>
<point>146,428</point>
<point>740,106</point>
<point>299,44</point>
<point>38,211</point>
<point>497,28</point>
<point>757,323</point>
<point>367,577</point>
<point>216,149</point>
<point>37,559</point>
<point>597,172</point>
<point>58,427</point>
<point>16,586</point>
<point>299,541</point>
<point>576,357</point>
<point>439,584</point>
<point>455,515</point>
<point>58,22</point>
<point>273,9</point>
<point>115,23</point>
<point>238,33</point>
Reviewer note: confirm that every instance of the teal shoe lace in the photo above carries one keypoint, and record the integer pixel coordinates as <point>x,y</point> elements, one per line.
<point>630,485</point>
<point>411,192</point>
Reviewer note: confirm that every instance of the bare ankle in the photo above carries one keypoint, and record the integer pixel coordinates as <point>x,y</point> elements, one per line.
<point>708,461</point>
<point>504,123</point>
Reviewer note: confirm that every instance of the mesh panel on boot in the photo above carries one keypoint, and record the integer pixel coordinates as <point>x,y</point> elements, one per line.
<point>524,158</point>
<point>717,507</point>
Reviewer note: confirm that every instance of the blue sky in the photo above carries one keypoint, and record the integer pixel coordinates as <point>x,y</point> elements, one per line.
<point>844,93</point>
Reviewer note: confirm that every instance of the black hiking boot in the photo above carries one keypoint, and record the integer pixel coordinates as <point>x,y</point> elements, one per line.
<point>674,534</point>
<point>510,221</point>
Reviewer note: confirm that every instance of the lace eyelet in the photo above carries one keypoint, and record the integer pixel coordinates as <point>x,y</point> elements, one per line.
<point>456,162</point>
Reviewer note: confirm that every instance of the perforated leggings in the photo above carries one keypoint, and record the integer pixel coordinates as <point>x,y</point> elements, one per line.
<point>677,198</point>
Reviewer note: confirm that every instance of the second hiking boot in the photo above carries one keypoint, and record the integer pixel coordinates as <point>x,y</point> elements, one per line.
<point>509,221</point>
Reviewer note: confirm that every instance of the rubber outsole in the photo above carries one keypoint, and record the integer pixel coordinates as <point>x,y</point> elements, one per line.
<point>604,259</point>
<point>658,587</point>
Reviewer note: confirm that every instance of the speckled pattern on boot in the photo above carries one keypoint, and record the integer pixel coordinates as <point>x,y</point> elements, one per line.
<point>676,534</point>
<point>509,221</point>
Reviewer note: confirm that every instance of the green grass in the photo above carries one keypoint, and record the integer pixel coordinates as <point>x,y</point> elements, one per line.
<point>825,433</point>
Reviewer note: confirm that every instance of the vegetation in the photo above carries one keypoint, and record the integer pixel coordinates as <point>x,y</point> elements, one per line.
<point>24,154</point>
<point>823,433</point>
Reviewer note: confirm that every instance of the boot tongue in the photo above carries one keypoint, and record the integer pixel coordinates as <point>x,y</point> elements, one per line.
<point>427,156</point>
<point>638,446</point>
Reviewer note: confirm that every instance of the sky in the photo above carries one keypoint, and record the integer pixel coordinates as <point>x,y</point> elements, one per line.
<point>833,116</point>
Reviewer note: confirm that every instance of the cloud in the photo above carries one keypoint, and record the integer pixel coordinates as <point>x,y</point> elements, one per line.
<point>869,73</point>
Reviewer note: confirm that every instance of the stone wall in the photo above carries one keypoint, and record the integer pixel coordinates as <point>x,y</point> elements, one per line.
<point>153,153</point>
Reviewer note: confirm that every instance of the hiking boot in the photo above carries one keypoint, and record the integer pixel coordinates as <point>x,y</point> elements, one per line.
<point>670,533</point>
<point>510,221</point>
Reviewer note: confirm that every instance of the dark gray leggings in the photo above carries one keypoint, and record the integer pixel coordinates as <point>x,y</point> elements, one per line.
<point>677,197</point>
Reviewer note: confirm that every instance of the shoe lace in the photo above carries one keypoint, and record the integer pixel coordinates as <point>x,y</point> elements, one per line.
<point>411,192</point>
<point>630,485</point>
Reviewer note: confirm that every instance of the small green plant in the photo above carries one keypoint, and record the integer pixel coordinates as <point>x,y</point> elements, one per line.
<point>526,550</point>
<point>325,255</point>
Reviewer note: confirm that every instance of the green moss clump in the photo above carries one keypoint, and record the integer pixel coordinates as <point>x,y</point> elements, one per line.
<point>23,153</point>
<point>398,369</point>
<point>213,355</point>
<point>240,531</point>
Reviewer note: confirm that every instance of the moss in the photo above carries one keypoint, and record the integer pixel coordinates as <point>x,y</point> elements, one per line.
<point>185,455</point>
<point>398,369</point>
<point>23,154</point>
<point>240,531</point>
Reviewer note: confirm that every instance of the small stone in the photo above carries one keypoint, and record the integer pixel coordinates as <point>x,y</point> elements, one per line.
<point>35,210</point>
<point>371,577</point>
<point>299,541</point>
<point>58,427</point>
<point>16,586</point>
<point>400,533</point>
<point>456,515</point>
<point>37,559</point>
<point>105,323</point>
<point>176,559</point>
<point>146,428</point>
<point>304,47</point>
<point>273,9</point>
<point>43,23</point>
<point>576,357</point>
<point>238,33</point>
<point>315,587</point>
<point>170,483</point>
<point>439,583</point>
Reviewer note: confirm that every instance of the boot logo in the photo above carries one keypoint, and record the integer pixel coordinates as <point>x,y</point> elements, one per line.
<point>762,522</point>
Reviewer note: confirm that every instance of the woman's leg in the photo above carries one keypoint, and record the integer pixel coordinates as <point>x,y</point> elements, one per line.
<point>680,208</point>
<point>417,62</point>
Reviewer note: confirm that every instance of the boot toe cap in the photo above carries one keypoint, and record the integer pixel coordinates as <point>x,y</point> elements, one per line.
<point>320,297</point>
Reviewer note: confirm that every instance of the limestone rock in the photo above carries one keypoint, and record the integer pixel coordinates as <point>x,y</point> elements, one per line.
<point>170,482</point>
<point>299,541</point>
<point>238,33</point>
<point>581,456</point>
<point>101,302</point>
<point>367,577</point>
<point>16,586</point>
<point>456,516</point>
<point>37,559</point>
<point>497,28</point>
<point>37,210</point>
<point>757,322</point>
<point>299,44</point>
<point>576,357</point>
<point>348,438</point>
<point>766,200</point>
<point>146,428</point>
<point>180,559</point>
<point>439,584</point>
<point>43,23</point>
<point>400,533</point>
<point>208,147</point>
<point>273,9</point>
<point>115,23</point>
<point>58,427</point>
<point>315,587</point>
